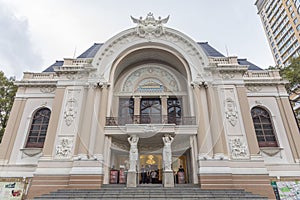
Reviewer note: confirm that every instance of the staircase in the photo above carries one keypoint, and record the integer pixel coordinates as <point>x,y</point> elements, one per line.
<point>150,191</point>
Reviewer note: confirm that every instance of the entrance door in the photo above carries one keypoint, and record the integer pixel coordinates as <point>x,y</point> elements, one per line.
<point>150,169</point>
<point>150,111</point>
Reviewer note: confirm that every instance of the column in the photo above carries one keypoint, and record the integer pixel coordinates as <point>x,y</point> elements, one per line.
<point>164,109</point>
<point>137,108</point>
<point>133,158</point>
<point>168,176</point>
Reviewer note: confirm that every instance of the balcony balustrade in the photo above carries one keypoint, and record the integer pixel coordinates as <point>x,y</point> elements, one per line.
<point>150,119</point>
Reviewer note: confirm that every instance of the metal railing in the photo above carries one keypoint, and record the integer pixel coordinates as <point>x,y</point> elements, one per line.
<point>150,119</point>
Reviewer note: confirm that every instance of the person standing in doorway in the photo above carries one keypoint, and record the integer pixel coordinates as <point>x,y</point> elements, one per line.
<point>143,174</point>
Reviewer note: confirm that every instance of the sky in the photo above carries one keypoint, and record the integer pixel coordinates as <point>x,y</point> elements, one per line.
<point>34,34</point>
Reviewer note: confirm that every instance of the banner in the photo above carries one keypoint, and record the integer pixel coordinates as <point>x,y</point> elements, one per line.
<point>289,189</point>
<point>12,188</point>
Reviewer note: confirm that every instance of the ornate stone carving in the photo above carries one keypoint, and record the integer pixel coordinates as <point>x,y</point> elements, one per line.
<point>133,153</point>
<point>74,76</point>
<point>133,80</point>
<point>226,76</point>
<point>253,88</point>
<point>150,129</point>
<point>47,89</point>
<point>167,152</point>
<point>238,148</point>
<point>64,147</point>
<point>150,26</point>
<point>231,111</point>
<point>258,102</point>
<point>70,112</point>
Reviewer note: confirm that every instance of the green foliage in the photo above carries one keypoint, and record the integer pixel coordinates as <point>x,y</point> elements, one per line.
<point>7,94</point>
<point>292,72</point>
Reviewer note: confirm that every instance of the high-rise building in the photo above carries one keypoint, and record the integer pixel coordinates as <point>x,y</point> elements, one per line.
<point>281,21</point>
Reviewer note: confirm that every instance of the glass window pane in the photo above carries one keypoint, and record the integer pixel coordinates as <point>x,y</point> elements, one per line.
<point>32,139</point>
<point>270,138</point>
<point>38,128</point>
<point>263,127</point>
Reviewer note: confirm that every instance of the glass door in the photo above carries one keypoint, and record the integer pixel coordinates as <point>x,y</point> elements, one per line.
<point>150,111</point>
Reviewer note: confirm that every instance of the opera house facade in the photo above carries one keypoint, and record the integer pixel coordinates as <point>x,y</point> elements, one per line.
<point>151,96</point>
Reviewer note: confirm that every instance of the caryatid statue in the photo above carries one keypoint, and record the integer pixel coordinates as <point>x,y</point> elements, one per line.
<point>133,154</point>
<point>167,152</point>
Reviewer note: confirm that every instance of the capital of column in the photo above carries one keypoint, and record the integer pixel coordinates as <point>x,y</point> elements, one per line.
<point>102,85</point>
<point>198,84</point>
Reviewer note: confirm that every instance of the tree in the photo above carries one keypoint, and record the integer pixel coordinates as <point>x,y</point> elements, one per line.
<point>292,73</point>
<point>7,94</point>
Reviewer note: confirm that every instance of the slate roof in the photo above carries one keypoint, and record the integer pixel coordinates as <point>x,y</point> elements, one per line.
<point>56,64</point>
<point>252,66</point>
<point>91,52</point>
<point>208,50</point>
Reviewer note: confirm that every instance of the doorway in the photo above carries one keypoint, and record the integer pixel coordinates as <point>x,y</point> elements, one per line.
<point>150,166</point>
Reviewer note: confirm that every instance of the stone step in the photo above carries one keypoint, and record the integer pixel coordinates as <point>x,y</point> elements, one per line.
<point>155,191</point>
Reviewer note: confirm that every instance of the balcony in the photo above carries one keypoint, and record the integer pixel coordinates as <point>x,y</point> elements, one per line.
<point>150,119</point>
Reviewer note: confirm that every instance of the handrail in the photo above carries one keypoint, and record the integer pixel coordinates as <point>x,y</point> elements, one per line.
<point>150,119</point>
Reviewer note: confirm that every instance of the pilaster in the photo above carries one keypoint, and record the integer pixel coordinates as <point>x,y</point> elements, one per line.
<point>247,121</point>
<point>85,129</point>
<point>53,123</point>
<point>11,130</point>
<point>217,127</point>
<point>205,148</point>
<point>99,141</point>
<point>290,125</point>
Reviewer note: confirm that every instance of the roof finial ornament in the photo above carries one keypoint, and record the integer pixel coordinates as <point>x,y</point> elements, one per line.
<point>150,26</point>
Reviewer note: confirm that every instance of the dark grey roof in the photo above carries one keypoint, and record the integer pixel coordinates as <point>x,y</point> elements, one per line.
<point>57,63</point>
<point>91,52</point>
<point>209,50</point>
<point>252,66</point>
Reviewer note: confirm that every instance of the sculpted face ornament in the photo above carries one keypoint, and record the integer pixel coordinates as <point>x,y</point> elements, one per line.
<point>150,26</point>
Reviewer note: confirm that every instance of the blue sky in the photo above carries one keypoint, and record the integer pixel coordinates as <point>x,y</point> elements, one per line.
<point>36,33</point>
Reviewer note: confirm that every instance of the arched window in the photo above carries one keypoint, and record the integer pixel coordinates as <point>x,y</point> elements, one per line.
<point>38,129</point>
<point>263,128</point>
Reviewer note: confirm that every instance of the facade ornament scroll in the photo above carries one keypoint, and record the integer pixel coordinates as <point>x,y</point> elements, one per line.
<point>64,147</point>
<point>226,76</point>
<point>74,76</point>
<point>47,89</point>
<point>238,148</point>
<point>231,111</point>
<point>70,112</point>
<point>254,88</point>
<point>166,78</point>
<point>150,26</point>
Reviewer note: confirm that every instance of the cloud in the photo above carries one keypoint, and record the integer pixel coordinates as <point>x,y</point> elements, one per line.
<point>17,53</point>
